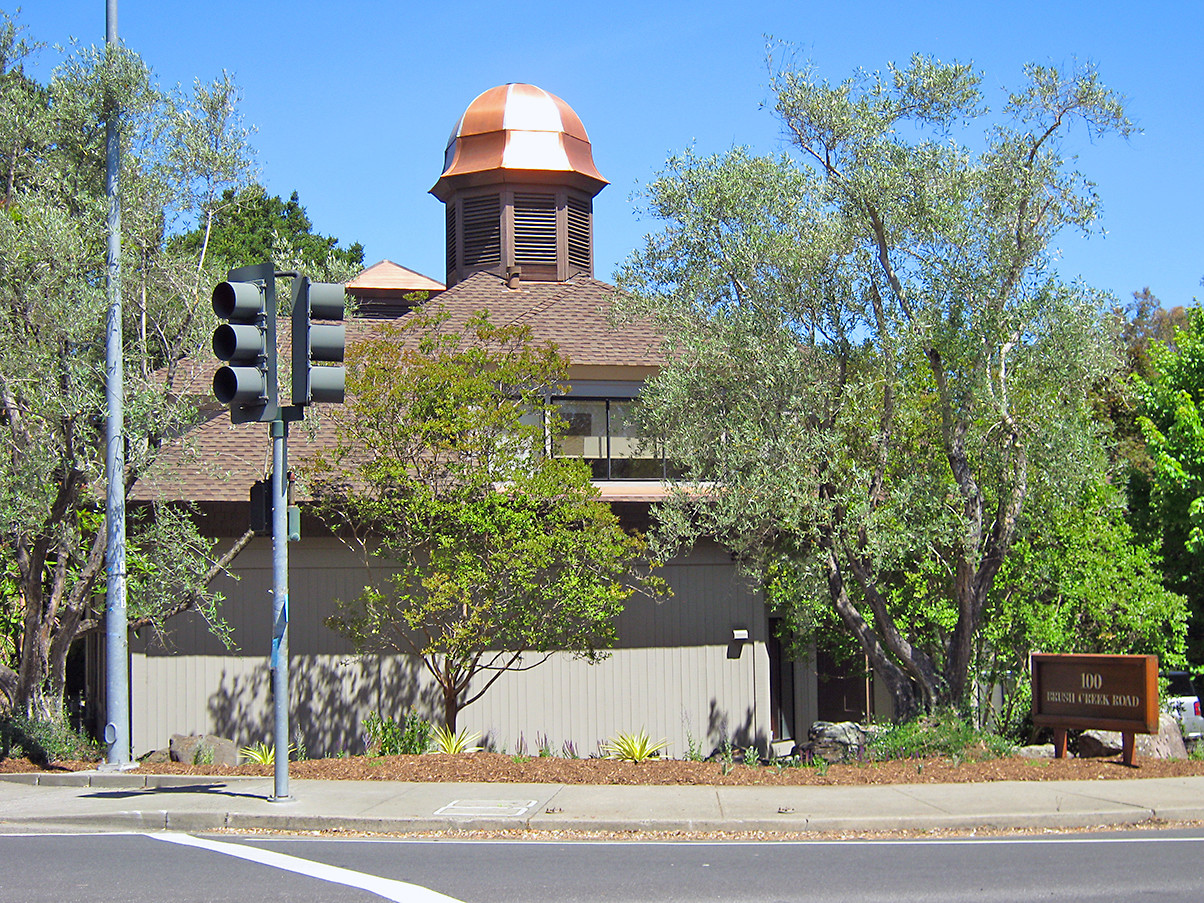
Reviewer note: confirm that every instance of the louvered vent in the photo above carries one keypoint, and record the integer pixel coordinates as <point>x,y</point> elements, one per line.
<point>451,236</point>
<point>579,210</point>
<point>482,230</point>
<point>535,229</point>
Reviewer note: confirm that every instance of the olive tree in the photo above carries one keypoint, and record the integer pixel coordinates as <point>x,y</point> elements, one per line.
<point>180,150</point>
<point>873,358</point>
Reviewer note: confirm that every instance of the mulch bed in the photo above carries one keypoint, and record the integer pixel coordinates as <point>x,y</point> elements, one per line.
<point>486,767</point>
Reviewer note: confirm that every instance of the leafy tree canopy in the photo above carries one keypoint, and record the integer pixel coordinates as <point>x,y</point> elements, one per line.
<point>500,554</point>
<point>873,355</point>
<point>180,151</point>
<point>250,226</point>
<point>1171,399</point>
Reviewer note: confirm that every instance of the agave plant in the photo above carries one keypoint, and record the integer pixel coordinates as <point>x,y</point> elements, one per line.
<point>445,741</point>
<point>262,753</point>
<point>632,747</point>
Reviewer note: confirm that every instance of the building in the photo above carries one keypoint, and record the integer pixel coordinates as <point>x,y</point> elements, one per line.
<point>519,183</point>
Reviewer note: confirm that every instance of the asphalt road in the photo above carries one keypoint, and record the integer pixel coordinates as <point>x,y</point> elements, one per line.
<point>1145,865</point>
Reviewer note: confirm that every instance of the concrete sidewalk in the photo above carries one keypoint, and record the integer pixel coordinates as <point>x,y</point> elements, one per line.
<point>93,801</point>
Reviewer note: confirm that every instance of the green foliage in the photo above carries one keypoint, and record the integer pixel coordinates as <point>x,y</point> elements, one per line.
<point>179,150</point>
<point>632,747</point>
<point>251,226</point>
<point>262,753</point>
<point>203,755</point>
<point>1170,401</point>
<point>388,738</point>
<point>1076,581</point>
<point>872,353</point>
<point>43,742</point>
<point>942,734</point>
<point>452,742</point>
<point>693,749</point>
<point>499,554</point>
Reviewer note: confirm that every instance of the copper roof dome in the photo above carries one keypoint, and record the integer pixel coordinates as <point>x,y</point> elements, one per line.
<point>518,132</point>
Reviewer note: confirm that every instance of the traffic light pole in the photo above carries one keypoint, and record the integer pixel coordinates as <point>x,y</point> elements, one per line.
<point>249,384</point>
<point>279,660</point>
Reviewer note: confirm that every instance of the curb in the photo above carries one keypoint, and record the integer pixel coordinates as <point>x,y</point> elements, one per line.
<point>127,780</point>
<point>193,822</point>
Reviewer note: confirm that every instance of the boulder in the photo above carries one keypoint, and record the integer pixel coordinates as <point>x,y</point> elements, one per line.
<point>1037,751</point>
<point>1166,744</point>
<point>842,741</point>
<point>206,749</point>
<point>1095,744</point>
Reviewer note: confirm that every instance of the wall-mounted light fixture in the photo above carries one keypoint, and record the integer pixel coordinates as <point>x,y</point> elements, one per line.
<point>739,635</point>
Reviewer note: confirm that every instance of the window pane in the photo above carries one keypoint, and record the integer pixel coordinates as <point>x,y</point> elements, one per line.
<point>629,452</point>
<point>585,433</point>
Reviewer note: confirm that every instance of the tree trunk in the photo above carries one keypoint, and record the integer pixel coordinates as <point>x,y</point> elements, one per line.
<point>33,697</point>
<point>451,707</point>
<point>897,681</point>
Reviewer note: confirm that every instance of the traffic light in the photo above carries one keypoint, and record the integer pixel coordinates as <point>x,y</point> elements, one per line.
<point>312,342</point>
<point>247,342</point>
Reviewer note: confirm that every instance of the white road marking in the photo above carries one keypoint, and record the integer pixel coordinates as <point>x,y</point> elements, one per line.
<point>487,808</point>
<point>399,891</point>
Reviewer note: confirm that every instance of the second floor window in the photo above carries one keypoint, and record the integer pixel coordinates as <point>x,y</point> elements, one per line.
<point>605,433</point>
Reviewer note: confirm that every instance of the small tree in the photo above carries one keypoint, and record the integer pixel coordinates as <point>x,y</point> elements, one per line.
<point>498,553</point>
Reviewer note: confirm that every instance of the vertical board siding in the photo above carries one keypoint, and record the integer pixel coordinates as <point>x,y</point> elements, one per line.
<point>675,672</point>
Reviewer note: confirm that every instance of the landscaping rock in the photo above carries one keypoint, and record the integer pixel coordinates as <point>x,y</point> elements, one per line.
<point>1099,744</point>
<point>1166,744</point>
<point>155,757</point>
<point>1037,751</point>
<point>193,749</point>
<point>835,742</point>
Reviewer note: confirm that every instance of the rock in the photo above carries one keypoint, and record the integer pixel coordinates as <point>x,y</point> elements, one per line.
<point>1038,751</point>
<point>1095,744</point>
<point>1166,744</point>
<point>835,742</point>
<point>156,756</point>
<point>8,688</point>
<point>197,750</point>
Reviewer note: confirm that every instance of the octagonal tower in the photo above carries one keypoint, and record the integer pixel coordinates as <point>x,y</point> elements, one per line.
<point>519,182</point>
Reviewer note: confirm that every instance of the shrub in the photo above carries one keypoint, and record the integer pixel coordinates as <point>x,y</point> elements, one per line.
<point>388,738</point>
<point>43,742</point>
<point>941,734</point>
<point>632,747</point>
<point>262,753</point>
<point>452,743</point>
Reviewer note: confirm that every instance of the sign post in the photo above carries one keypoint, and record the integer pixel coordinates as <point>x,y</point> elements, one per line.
<point>1104,692</point>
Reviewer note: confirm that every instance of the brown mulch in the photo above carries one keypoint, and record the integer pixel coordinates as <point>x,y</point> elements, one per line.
<point>497,767</point>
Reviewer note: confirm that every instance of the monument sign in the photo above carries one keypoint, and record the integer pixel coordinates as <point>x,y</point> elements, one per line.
<point>1104,692</point>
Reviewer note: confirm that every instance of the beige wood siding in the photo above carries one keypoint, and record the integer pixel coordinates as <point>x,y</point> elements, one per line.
<point>675,673</point>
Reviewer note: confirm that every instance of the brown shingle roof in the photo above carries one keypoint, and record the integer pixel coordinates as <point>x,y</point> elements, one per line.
<point>218,461</point>
<point>578,316</point>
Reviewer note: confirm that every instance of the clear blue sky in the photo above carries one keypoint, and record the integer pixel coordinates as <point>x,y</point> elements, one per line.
<point>354,100</point>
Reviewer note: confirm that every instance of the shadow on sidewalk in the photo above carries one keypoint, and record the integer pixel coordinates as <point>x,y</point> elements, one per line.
<point>215,789</point>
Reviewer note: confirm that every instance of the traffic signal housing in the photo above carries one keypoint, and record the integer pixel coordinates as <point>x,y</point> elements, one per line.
<point>247,343</point>
<point>318,342</point>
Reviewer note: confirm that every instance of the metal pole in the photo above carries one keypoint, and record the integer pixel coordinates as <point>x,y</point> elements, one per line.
<point>280,604</point>
<point>117,728</point>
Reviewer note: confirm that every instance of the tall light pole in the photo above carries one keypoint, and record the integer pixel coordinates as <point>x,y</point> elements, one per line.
<point>117,704</point>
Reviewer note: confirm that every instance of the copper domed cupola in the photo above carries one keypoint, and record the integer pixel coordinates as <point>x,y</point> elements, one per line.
<point>519,181</point>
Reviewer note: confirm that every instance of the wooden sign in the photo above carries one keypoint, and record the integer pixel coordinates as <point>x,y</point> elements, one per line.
<point>1104,692</point>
